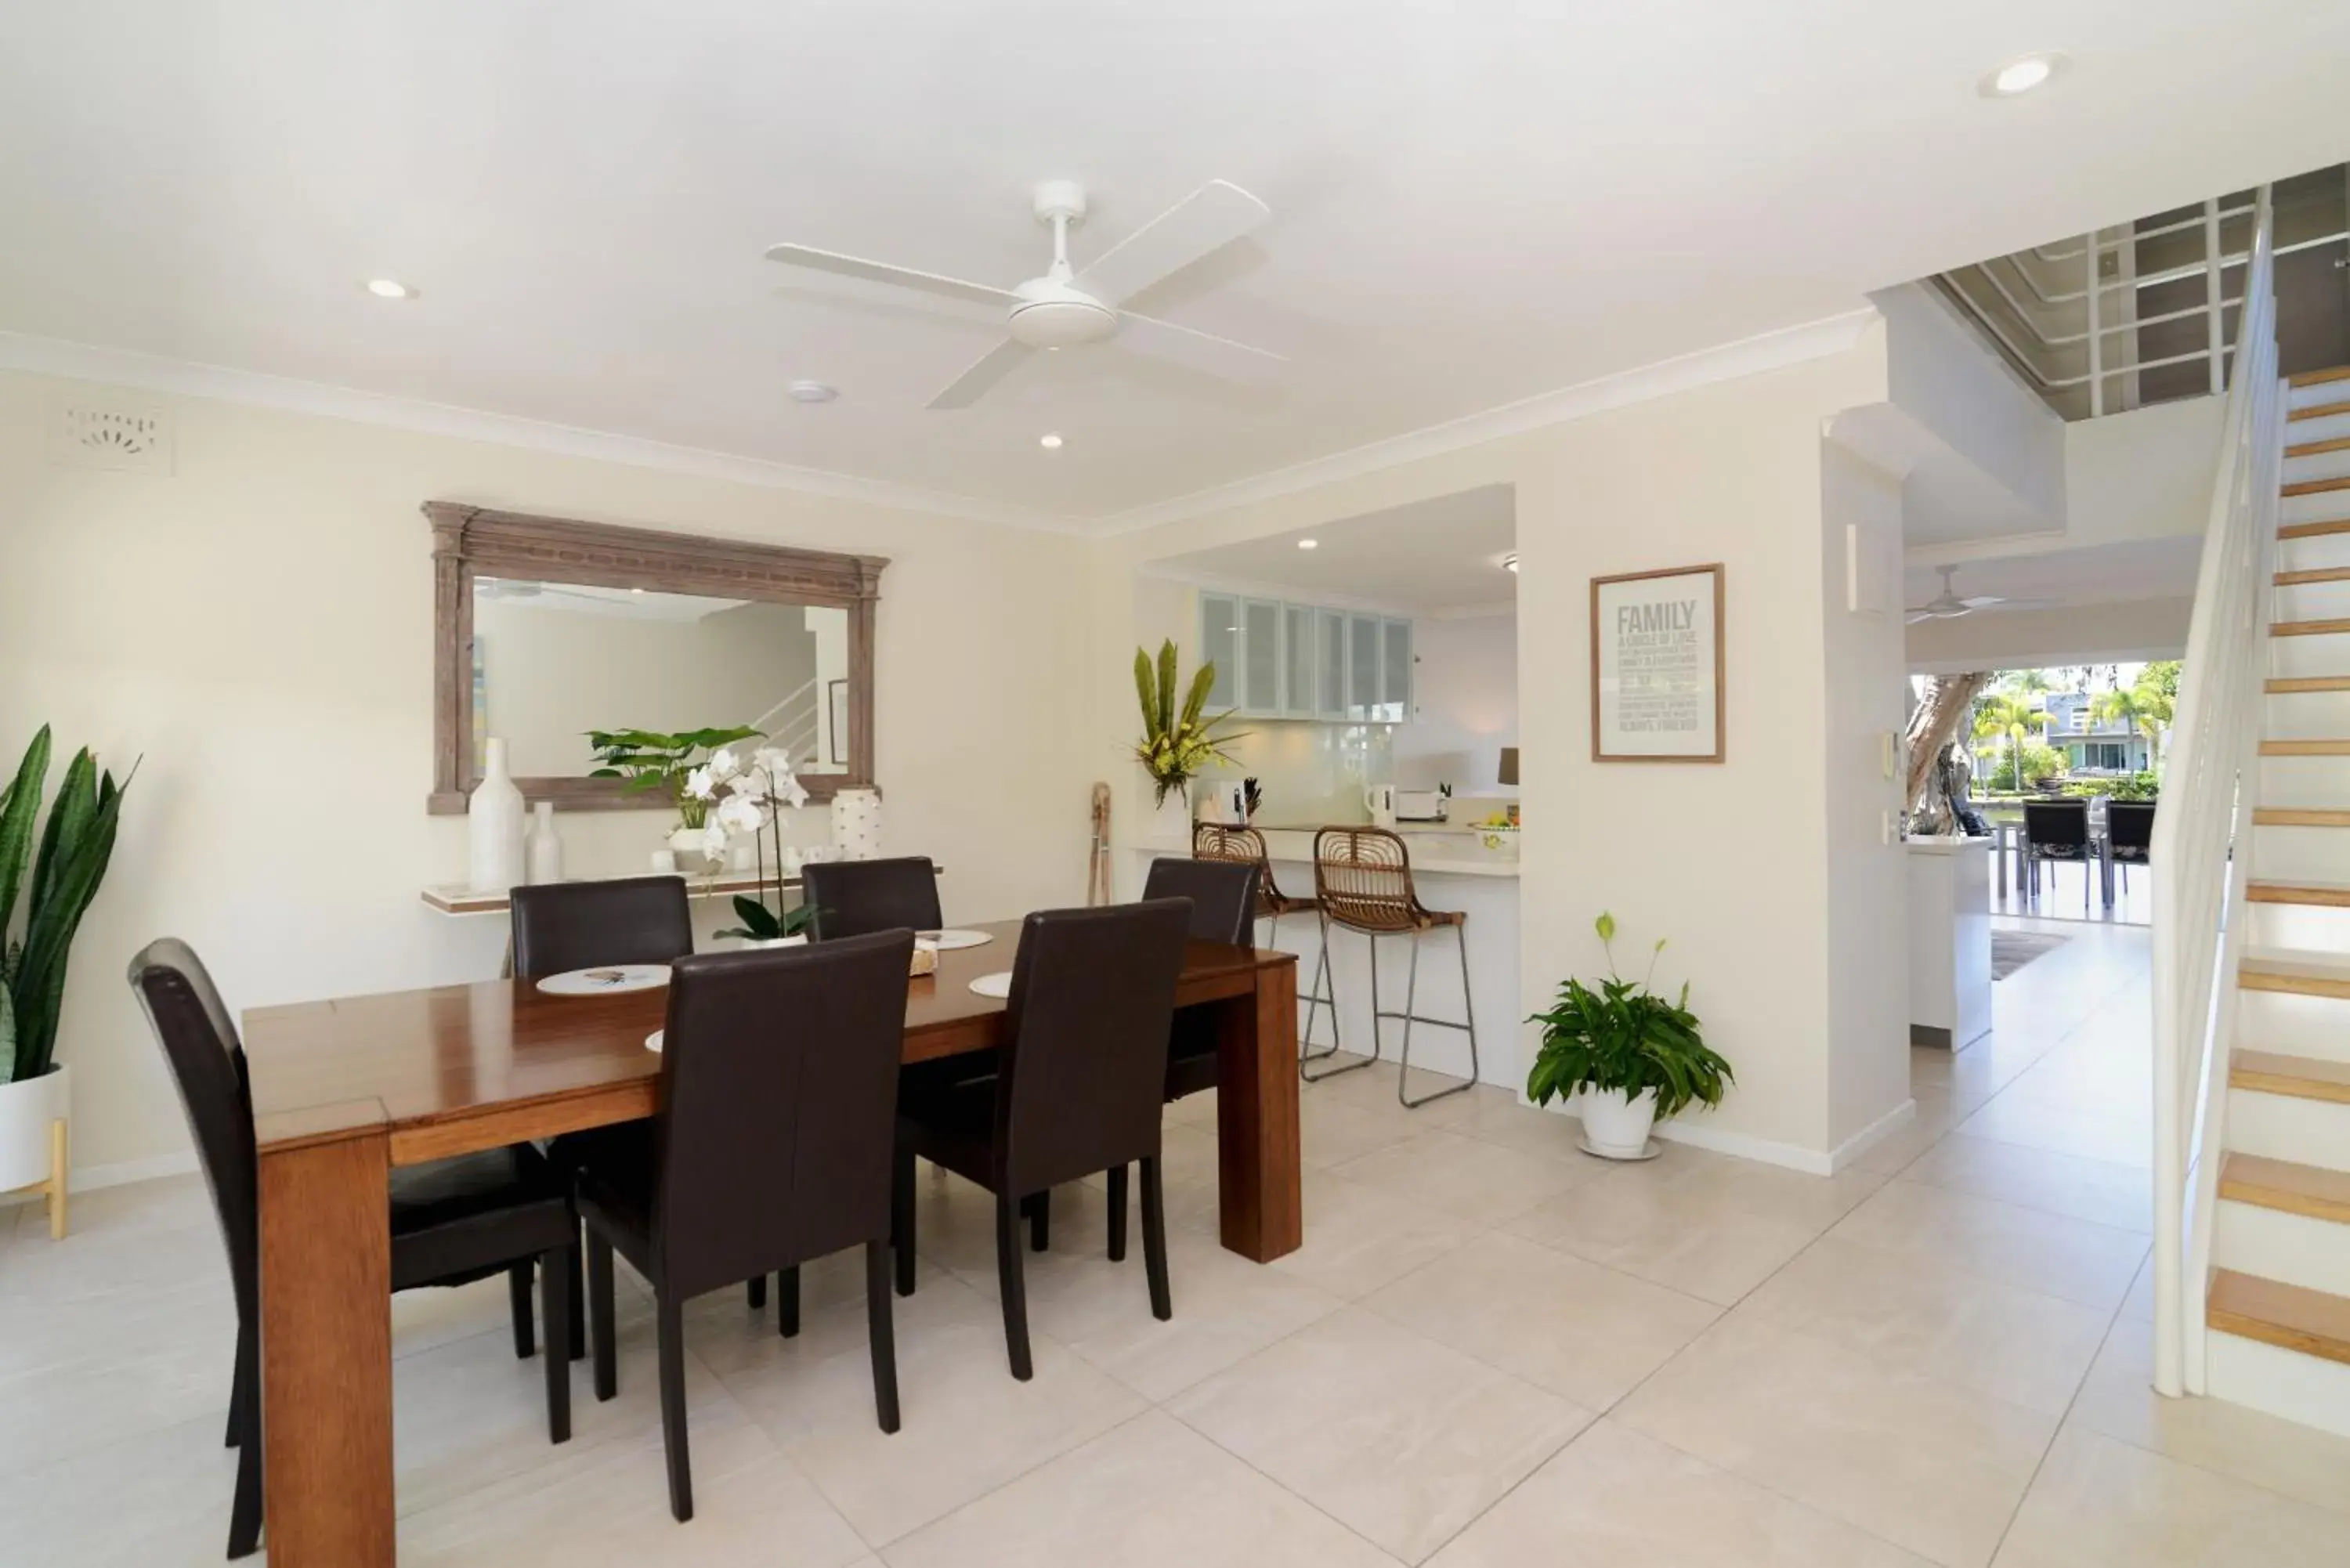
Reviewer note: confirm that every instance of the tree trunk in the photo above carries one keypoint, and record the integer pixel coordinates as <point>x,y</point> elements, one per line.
<point>1934,725</point>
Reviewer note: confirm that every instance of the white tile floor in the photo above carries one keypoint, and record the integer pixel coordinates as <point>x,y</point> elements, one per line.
<point>1491,1351</point>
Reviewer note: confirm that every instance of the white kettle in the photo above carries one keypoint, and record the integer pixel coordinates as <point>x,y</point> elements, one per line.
<point>1380,800</point>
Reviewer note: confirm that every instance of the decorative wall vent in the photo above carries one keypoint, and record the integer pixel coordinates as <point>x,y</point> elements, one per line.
<point>119,436</point>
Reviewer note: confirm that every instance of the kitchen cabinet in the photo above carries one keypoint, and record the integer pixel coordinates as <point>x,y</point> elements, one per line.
<point>1281,660</point>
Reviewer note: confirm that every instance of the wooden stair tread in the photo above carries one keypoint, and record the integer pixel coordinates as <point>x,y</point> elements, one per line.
<point>2313,447</point>
<point>2319,377</point>
<point>2288,683</point>
<point>2297,1077</point>
<point>2305,748</point>
<point>2299,816</point>
<point>2305,1189</point>
<point>2315,486</point>
<point>2293,972</point>
<point>2309,627</point>
<point>2300,890</point>
<point>2277,1313</point>
<point>2316,575</point>
<point>2319,411</point>
<point>2314,530</point>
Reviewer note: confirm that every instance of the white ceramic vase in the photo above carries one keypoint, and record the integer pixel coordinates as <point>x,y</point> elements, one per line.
<point>1172,819</point>
<point>28,1109</point>
<point>494,824</point>
<point>857,823</point>
<point>686,845</point>
<point>752,944</point>
<point>1617,1127</point>
<point>544,850</point>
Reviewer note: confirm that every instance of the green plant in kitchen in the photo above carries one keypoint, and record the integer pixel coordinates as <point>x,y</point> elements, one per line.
<point>73,848</point>
<point>1624,1038</point>
<point>1177,744</point>
<point>650,760</point>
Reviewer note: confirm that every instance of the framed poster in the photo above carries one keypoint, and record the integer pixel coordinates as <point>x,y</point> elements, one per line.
<point>1657,666</point>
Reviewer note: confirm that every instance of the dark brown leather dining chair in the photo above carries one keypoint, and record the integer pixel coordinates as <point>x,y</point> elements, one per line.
<point>1084,1073</point>
<point>852,897</point>
<point>452,1221</point>
<point>771,1147</point>
<point>1225,906</point>
<point>562,925</point>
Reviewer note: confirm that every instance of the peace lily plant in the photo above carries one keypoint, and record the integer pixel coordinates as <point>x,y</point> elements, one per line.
<point>1637,1058</point>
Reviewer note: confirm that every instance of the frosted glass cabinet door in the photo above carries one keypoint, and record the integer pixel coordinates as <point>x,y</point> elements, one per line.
<point>1220,642</point>
<point>1330,664</point>
<point>1298,645</point>
<point>1362,664</point>
<point>1395,673</point>
<point>1260,657</point>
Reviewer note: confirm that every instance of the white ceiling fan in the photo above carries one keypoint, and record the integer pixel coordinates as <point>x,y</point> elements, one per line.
<point>1947,606</point>
<point>1065,308</point>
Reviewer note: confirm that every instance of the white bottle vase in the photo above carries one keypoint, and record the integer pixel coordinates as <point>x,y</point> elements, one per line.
<point>494,821</point>
<point>544,849</point>
<point>857,823</point>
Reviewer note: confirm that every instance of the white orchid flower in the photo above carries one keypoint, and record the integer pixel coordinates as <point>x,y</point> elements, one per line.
<point>714,839</point>
<point>700,784</point>
<point>723,764</point>
<point>794,793</point>
<point>741,813</point>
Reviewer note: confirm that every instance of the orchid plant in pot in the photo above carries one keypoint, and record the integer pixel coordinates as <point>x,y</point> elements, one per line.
<point>1637,1058</point>
<point>1177,744</point>
<point>751,799</point>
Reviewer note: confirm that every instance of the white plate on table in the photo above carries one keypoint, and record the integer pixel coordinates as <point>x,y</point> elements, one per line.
<point>946,940</point>
<point>996,984</point>
<point>606,980</point>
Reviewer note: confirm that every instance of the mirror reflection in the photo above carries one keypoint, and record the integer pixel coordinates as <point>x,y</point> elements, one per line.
<point>554,660</point>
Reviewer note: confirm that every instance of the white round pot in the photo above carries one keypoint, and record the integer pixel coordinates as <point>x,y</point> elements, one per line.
<point>1172,817</point>
<point>27,1111</point>
<point>685,843</point>
<point>752,944</point>
<point>1615,1127</point>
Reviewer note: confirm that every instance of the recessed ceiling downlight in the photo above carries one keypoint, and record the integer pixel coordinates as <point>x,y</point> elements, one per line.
<point>813,392</point>
<point>1050,441</point>
<point>2021,76</point>
<point>389,288</point>
<point>1309,544</point>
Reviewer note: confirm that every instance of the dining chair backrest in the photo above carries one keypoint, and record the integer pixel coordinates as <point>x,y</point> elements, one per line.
<point>2129,827</point>
<point>1085,1043</point>
<point>563,926</point>
<point>778,1106</point>
<point>1223,895</point>
<point>2058,828</point>
<point>854,897</point>
<point>199,1038</point>
<point>1362,876</point>
<point>1232,844</point>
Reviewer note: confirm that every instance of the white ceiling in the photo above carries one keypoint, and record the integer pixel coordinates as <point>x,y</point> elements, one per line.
<point>1441,556</point>
<point>1470,205</point>
<point>2099,574</point>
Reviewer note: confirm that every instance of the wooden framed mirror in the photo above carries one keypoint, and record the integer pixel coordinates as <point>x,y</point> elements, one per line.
<point>544,628</point>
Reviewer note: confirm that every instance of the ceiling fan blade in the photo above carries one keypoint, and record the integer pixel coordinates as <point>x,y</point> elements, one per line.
<point>975,383</point>
<point>882,271</point>
<point>1917,616</point>
<point>2012,604</point>
<point>1211,217</point>
<point>1198,350</point>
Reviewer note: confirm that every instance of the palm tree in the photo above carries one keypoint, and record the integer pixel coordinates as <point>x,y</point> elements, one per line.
<point>2146,707</point>
<point>2009,717</point>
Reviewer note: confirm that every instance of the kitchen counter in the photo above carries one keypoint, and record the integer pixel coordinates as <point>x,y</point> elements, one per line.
<point>1436,849</point>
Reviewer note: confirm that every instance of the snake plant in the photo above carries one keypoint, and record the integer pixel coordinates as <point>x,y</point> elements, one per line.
<point>64,870</point>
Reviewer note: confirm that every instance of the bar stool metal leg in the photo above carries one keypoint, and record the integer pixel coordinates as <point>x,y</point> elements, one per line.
<point>1320,969</point>
<point>1410,1015</point>
<point>1321,994</point>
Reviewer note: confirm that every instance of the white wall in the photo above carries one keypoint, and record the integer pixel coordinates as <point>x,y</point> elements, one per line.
<point>259,627</point>
<point>1730,472</point>
<point>2143,475</point>
<point>1465,705</point>
<point>2126,631</point>
<point>1942,374</point>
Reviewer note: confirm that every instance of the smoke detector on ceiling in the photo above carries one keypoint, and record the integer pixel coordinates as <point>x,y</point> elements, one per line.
<point>98,433</point>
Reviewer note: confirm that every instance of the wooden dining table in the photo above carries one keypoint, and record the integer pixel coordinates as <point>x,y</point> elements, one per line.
<point>345,1090</point>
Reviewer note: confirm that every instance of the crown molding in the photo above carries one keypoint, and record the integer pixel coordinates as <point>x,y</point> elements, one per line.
<point>154,373</point>
<point>1724,362</point>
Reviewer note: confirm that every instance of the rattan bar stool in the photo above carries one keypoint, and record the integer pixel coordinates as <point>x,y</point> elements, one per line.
<point>1362,880</point>
<point>1245,846</point>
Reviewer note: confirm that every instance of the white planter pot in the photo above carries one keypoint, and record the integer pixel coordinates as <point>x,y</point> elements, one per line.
<point>1616,1128</point>
<point>857,823</point>
<point>752,944</point>
<point>685,843</point>
<point>1172,819</point>
<point>28,1110</point>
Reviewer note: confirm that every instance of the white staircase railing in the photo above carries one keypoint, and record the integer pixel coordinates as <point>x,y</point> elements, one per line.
<point>2202,836</point>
